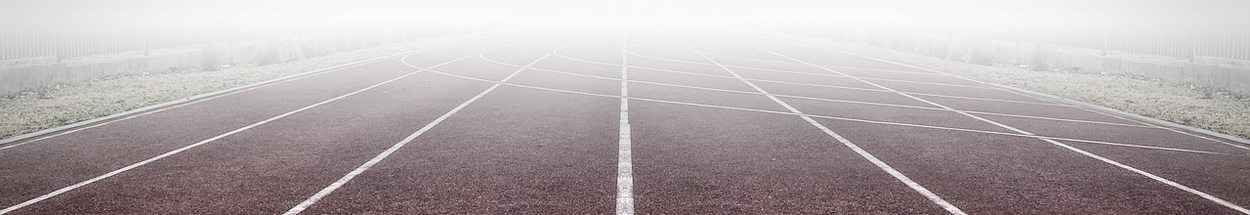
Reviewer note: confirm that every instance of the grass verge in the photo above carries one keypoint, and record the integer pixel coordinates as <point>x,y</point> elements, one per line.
<point>67,103</point>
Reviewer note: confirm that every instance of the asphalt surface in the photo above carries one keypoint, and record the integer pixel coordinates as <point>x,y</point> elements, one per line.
<point>625,119</point>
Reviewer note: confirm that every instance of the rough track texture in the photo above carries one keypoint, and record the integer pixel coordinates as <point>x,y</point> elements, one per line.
<point>704,140</point>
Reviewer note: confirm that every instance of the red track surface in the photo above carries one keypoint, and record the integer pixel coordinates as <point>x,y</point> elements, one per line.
<point>720,122</point>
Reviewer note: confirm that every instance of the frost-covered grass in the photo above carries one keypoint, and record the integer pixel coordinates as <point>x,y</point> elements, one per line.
<point>1180,103</point>
<point>63,104</point>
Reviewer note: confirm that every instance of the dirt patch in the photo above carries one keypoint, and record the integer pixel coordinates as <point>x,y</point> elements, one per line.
<point>1185,104</point>
<point>63,104</point>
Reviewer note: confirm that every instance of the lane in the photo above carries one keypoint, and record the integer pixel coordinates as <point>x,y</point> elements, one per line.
<point>997,174</point>
<point>515,150</point>
<point>139,112</point>
<point>267,169</point>
<point>1198,205</point>
<point>62,164</point>
<point>1221,176</point>
<point>668,121</point>
<point>1053,111</point>
<point>690,160</point>
<point>1076,113</point>
<point>707,161</point>
<point>1096,208</point>
<point>537,153</point>
<point>843,89</point>
<point>887,168</point>
<point>1132,135</point>
<point>866,112</point>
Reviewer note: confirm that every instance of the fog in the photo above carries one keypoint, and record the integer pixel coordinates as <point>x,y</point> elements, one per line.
<point>907,13</point>
<point>1064,22</point>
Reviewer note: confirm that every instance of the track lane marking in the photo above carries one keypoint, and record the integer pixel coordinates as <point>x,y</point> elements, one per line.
<point>188,147</point>
<point>951,208</point>
<point>829,100</point>
<point>1044,97</point>
<point>840,87</point>
<point>912,93</point>
<point>848,88</point>
<point>1171,183</point>
<point>826,65</point>
<point>808,73</point>
<point>826,75</point>
<point>881,104</point>
<point>793,83</point>
<point>795,72</point>
<point>625,166</point>
<point>826,117</point>
<point>376,159</point>
<point>182,102</point>
<point>823,85</point>
<point>1016,91</point>
<point>961,112</point>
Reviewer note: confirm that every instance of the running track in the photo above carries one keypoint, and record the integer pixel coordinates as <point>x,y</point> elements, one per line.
<point>624,119</point>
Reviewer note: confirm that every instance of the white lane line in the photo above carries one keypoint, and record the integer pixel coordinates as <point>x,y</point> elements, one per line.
<point>1063,119</point>
<point>806,84</point>
<point>840,76</point>
<point>821,99</point>
<point>818,85</point>
<point>669,60</point>
<point>832,66</point>
<point>823,116</point>
<point>893,105</point>
<point>991,100</point>
<point>624,165</point>
<point>188,147</point>
<point>1071,148</point>
<point>880,164</point>
<point>1204,195</point>
<point>828,86</point>
<point>828,100</point>
<point>374,161</point>
<point>935,104</point>
<point>218,94</point>
<point>1043,97</point>
<point>836,87</point>
<point>808,73</point>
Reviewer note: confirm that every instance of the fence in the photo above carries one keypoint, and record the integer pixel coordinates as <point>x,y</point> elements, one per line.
<point>28,44</point>
<point>61,43</point>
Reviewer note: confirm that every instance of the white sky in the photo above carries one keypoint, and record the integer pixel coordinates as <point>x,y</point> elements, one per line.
<point>870,12</point>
